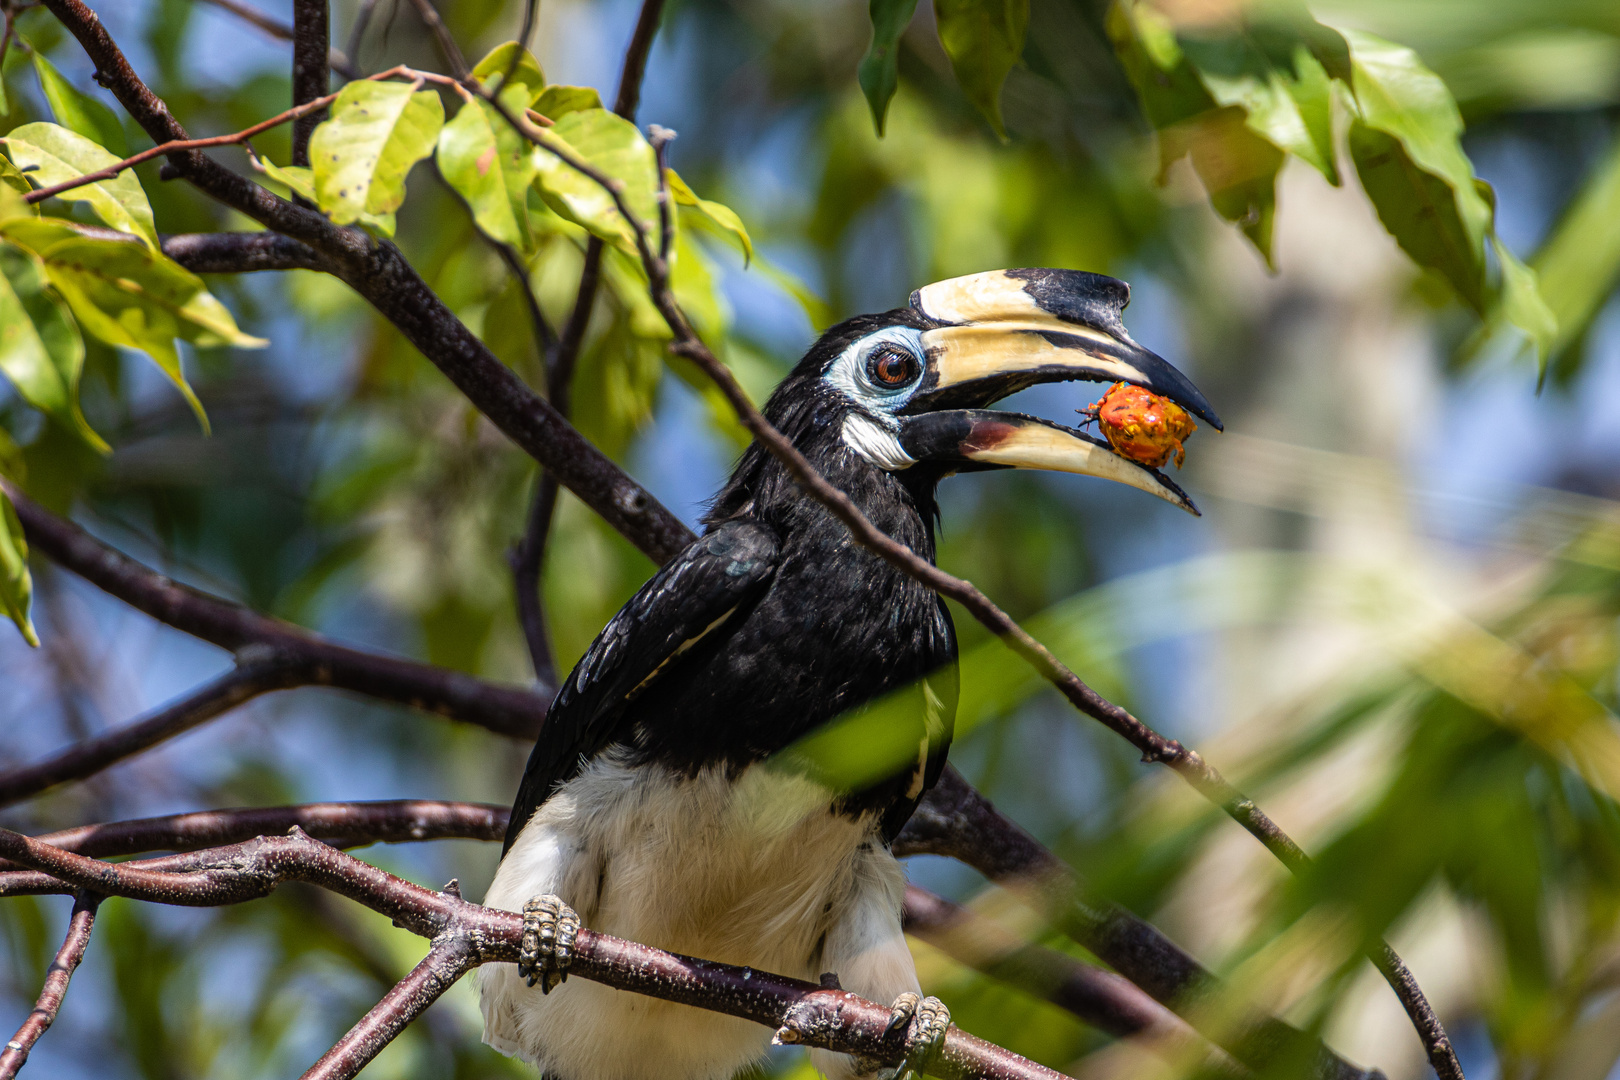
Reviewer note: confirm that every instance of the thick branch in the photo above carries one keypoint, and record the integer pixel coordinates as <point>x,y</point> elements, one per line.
<point>311,76</point>
<point>817,1016</point>
<point>57,975</point>
<point>305,658</point>
<point>240,252</point>
<point>381,275</point>
<point>1100,998</point>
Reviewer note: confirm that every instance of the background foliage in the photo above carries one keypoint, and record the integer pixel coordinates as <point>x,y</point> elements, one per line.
<point>1382,237</point>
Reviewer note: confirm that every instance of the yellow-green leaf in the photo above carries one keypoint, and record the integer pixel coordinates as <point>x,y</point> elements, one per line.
<point>298,179</point>
<point>40,348</point>
<point>526,74</point>
<point>16,586</point>
<point>13,178</point>
<point>53,154</point>
<point>558,101</point>
<point>984,39</point>
<point>491,165</point>
<point>1521,304</point>
<point>612,145</point>
<point>78,111</point>
<point>722,217</point>
<point>360,156</point>
<point>131,297</point>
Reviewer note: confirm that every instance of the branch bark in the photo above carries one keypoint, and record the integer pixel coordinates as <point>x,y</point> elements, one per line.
<point>57,976</point>
<point>311,75</point>
<point>240,252</point>
<point>303,658</point>
<point>818,1016</point>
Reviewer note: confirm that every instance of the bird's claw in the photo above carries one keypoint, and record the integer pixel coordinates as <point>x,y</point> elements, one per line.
<point>549,929</point>
<point>926,1020</point>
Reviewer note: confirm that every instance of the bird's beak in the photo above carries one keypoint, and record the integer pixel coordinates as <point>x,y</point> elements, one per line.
<point>984,439</point>
<point>999,332</point>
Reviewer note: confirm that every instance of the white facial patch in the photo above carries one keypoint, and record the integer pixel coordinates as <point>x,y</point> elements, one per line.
<point>876,442</point>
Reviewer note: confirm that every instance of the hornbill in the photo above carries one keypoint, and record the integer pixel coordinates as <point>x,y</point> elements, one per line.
<point>655,806</point>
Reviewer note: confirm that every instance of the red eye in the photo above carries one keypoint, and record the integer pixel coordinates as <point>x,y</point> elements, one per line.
<point>889,366</point>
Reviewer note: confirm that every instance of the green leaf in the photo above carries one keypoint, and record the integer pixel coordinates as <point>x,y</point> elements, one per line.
<point>527,74</point>
<point>613,145</point>
<point>491,165</point>
<point>1521,304</point>
<point>558,101</point>
<point>984,39</point>
<point>723,219</point>
<point>54,154</point>
<point>129,296</point>
<point>1579,264</point>
<point>360,156</point>
<point>1405,142</point>
<point>298,179</point>
<point>1293,113</point>
<point>879,73</point>
<point>1238,167</point>
<point>78,111</point>
<point>16,586</point>
<point>13,178</point>
<point>40,348</point>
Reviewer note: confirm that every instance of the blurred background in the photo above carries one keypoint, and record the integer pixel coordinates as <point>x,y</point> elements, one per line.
<point>1395,625</point>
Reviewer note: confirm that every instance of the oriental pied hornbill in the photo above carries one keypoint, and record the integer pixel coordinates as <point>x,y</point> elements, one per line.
<point>649,810</point>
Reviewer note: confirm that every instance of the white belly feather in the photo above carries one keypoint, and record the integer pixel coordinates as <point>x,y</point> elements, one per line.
<point>753,870</point>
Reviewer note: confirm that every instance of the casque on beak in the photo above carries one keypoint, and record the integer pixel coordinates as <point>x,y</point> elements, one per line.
<point>999,332</point>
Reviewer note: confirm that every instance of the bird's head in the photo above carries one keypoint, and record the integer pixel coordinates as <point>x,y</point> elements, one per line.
<point>908,390</point>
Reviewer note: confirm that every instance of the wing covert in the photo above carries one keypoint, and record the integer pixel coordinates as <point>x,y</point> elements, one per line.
<point>693,594</point>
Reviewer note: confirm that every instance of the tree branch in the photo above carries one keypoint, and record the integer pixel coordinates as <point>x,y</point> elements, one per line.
<point>57,976</point>
<point>441,35</point>
<point>381,276</point>
<point>240,252</point>
<point>305,658</point>
<point>311,76</point>
<point>1107,1001</point>
<point>803,1012</point>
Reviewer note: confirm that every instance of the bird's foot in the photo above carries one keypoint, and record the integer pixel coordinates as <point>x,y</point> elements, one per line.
<point>926,1020</point>
<point>549,929</point>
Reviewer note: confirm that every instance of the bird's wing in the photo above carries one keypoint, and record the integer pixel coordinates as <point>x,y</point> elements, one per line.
<point>694,594</point>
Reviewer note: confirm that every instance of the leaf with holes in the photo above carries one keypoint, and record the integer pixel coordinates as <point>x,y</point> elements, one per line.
<point>879,73</point>
<point>612,145</point>
<point>51,154</point>
<point>527,74</point>
<point>40,348</point>
<point>361,156</point>
<point>1406,145</point>
<point>78,111</point>
<point>131,297</point>
<point>491,165</point>
<point>16,586</point>
<point>984,39</point>
<point>717,217</point>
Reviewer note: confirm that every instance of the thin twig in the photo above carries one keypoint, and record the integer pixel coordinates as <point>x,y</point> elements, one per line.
<point>357,33</point>
<point>311,75</point>
<point>57,976</point>
<point>813,1015</point>
<point>315,660</point>
<point>441,34</point>
<point>635,59</point>
<point>336,59</point>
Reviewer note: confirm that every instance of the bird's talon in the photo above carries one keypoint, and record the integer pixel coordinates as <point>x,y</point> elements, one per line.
<point>547,949</point>
<point>927,1021</point>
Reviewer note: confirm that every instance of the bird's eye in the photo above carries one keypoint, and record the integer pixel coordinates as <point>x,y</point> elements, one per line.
<point>890,366</point>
